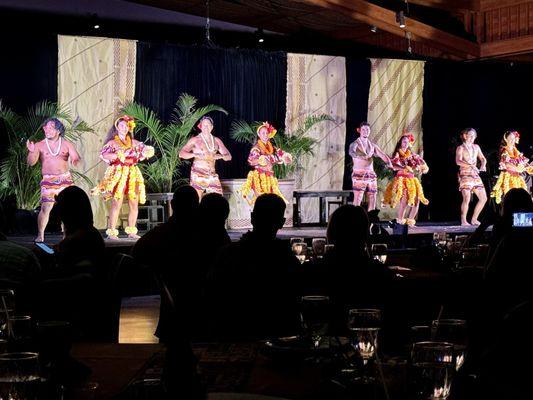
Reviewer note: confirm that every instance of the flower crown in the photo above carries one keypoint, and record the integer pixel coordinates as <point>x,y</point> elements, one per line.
<point>129,121</point>
<point>270,129</point>
<point>409,136</point>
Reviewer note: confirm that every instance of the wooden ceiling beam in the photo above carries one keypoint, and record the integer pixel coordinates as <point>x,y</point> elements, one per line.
<point>450,5</point>
<point>508,47</point>
<point>385,20</point>
<point>487,5</point>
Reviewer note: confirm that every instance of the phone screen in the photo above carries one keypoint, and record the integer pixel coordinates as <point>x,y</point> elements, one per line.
<point>47,249</point>
<point>523,220</point>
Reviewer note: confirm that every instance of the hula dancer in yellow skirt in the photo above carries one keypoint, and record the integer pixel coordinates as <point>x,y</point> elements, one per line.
<point>513,165</point>
<point>405,189</point>
<point>122,176</point>
<point>262,158</point>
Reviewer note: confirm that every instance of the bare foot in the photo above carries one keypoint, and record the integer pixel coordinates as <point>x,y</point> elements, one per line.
<point>133,236</point>
<point>476,222</point>
<point>112,237</point>
<point>39,239</point>
<point>465,223</point>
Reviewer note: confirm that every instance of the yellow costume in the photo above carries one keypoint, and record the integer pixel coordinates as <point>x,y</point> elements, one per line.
<point>262,157</point>
<point>405,183</point>
<point>508,179</point>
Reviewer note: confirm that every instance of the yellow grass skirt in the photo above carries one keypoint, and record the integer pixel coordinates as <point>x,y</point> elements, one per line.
<point>506,182</point>
<point>401,186</point>
<point>119,180</point>
<point>258,183</point>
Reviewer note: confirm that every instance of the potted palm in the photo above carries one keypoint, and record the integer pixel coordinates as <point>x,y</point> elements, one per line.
<point>298,143</point>
<point>17,178</point>
<point>162,175</point>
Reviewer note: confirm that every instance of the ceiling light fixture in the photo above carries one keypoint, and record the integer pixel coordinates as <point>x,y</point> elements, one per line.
<point>400,19</point>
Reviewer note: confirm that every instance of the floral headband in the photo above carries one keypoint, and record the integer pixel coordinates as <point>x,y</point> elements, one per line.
<point>270,129</point>
<point>129,121</point>
<point>410,137</point>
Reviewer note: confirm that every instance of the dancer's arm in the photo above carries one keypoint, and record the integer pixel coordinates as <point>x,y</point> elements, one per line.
<point>224,153</point>
<point>73,154</point>
<point>381,154</point>
<point>33,153</point>
<point>187,151</point>
<point>482,159</point>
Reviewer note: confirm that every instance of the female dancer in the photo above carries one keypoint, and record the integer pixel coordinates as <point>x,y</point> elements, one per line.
<point>263,156</point>
<point>122,176</point>
<point>405,188</point>
<point>466,157</point>
<point>512,165</point>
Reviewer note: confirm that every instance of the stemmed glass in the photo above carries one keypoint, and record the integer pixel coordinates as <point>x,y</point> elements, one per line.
<point>364,325</point>
<point>19,376</point>
<point>300,251</point>
<point>315,317</point>
<point>452,331</point>
<point>379,252</point>
<point>319,247</point>
<point>432,369</point>
<point>7,305</point>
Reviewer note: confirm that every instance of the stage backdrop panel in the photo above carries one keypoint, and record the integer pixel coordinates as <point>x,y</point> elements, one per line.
<point>395,105</point>
<point>96,77</point>
<point>317,85</point>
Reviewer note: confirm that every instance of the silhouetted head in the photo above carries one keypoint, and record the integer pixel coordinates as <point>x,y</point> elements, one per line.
<point>74,209</point>
<point>516,200</point>
<point>214,209</point>
<point>267,216</point>
<point>185,201</point>
<point>348,228</point>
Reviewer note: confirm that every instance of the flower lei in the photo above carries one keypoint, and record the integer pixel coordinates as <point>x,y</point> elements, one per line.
<point>265,148</point>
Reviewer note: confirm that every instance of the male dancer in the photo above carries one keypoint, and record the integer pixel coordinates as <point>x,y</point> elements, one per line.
<point>205,149</point>
<point>364,179</point>
<point>466,157</point>
<point>54,152</point>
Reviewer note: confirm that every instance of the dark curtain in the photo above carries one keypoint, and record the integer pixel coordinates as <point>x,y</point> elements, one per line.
<point>489,97</point>
<point>357,88</point>
<point>249,84</point>
<point>28,71</point>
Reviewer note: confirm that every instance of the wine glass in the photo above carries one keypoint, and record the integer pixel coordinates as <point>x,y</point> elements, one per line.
<point>7,305</point>
<point>296,240</point>
<point>364,325</point>
<point>300,251</point>
<point>432,369</point>
<point>19,376</point>
<point>452,331</point>
<point>20,331</point>
<point>319,247</point>
<point>379,252</point>
<point>315,316</point>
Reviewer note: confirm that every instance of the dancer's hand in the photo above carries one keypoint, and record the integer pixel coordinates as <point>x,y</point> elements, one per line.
<point>30,146</point>
<point>287,158</point>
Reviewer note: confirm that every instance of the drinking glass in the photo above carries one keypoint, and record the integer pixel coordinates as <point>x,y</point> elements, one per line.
<point>315,316</point>
<point>379,252</point>
<point>20,331</point>
<point>19,376</point>
<point>319,247</point>
<point>364,326</point>
<point>452,331</point>
<point>296,240</point>
<point>7,305</point>
<point>432,370</point>
<point>300,251</point>
<point>328,248</point>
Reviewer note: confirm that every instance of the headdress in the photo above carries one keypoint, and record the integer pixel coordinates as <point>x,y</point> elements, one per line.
<point>271,130</point>
<point>129,121</point>
<point>409,136</point>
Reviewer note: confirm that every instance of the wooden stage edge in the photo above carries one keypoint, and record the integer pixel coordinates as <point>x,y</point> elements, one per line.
<point>422,228</point>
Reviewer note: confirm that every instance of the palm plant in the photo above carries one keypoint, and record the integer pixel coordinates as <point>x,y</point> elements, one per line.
<point>16,176</point>
<point>297,142</point>
<point>162,175</point>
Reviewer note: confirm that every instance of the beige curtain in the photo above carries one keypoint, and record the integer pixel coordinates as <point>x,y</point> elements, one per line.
<point>96,77</point>
<point>317,85</point>
<point>395,105</point>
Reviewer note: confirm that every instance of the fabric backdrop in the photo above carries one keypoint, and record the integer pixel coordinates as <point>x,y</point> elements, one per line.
<point>96,77</point>
<point>317,85</point>
<point>249,84</point>
<point>395,105</point>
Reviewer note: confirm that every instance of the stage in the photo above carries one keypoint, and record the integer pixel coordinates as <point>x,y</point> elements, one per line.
<point>421,232</point>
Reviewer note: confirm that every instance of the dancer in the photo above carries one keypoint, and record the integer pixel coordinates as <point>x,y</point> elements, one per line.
<point>205,149</point>
<point>405,188</point>
<point>54,151</point>
<point>512,165</point>
<point>263,156</point>
<point>122,176</point>
<point>364,179</point>
<point>466,157</point>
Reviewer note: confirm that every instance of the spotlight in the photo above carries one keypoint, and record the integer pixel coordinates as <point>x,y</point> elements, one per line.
<point>96,26</point>
<point>95,21</point>
<point>373,29</point>
<point>400,19</point>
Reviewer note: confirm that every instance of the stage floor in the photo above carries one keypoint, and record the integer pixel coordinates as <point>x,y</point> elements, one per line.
<point>423,228</point>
